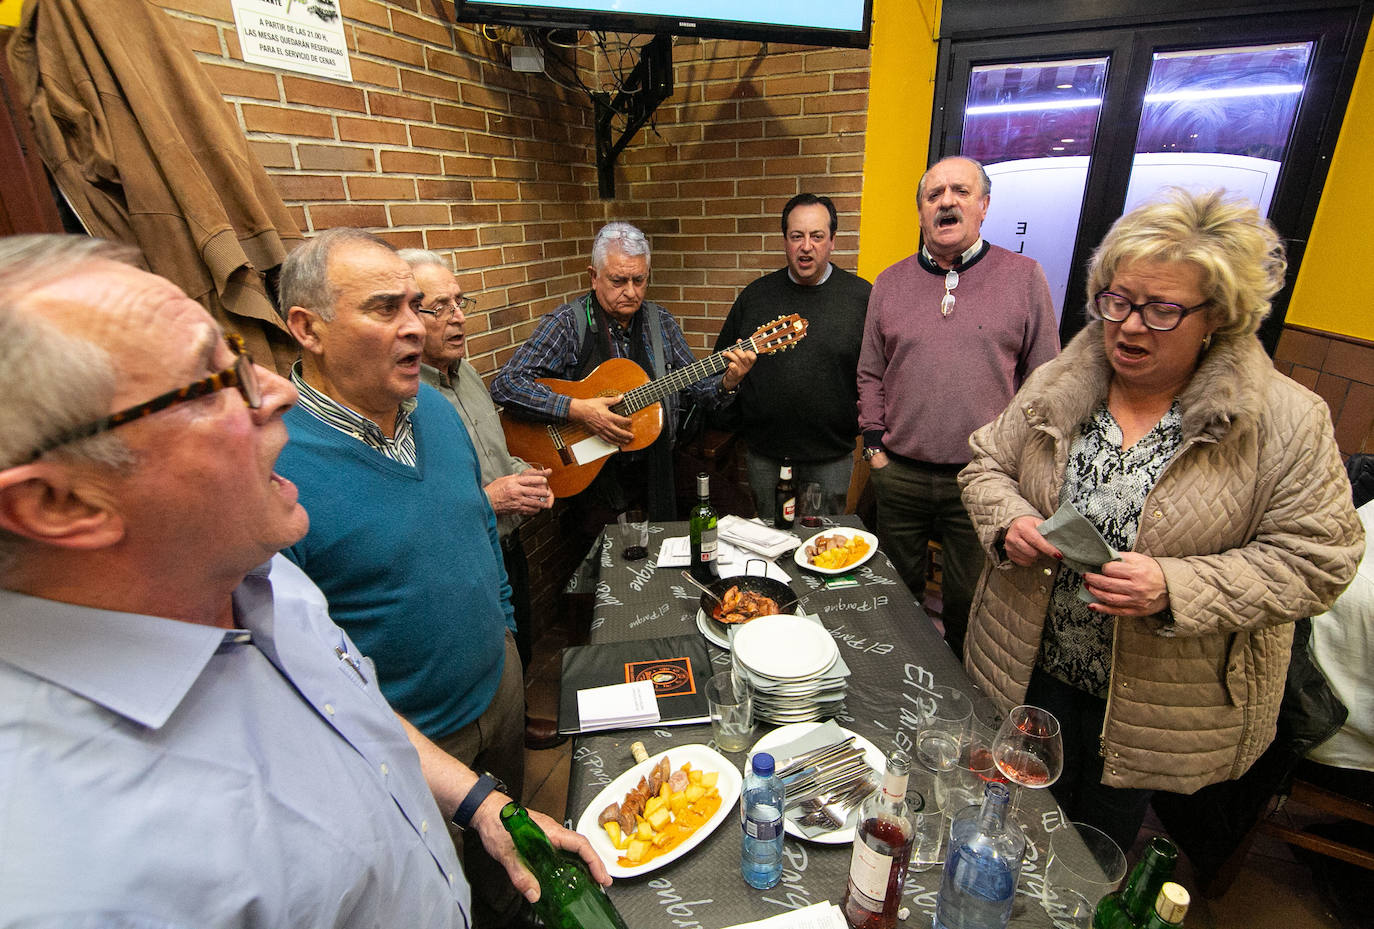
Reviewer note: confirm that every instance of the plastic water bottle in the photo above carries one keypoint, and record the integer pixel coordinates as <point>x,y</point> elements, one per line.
<point>761,804</point>
<point>984,863</point>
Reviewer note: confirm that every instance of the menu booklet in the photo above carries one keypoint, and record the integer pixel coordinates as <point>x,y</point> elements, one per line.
<point>678,667</point>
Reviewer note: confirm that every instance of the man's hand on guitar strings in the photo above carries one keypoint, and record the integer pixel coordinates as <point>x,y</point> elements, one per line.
<point>740,363</point>
<point>595,413</point>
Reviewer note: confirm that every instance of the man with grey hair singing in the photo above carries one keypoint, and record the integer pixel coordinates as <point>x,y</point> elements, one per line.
<point>189,739</point>
<point>951,334</point>
<point>613,320</point>
<point>515,490</point>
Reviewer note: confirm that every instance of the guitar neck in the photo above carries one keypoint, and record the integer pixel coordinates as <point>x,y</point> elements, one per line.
<point>648,394</point>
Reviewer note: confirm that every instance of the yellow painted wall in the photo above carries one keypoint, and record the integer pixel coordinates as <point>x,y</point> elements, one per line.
<point>1332,292</point>
<point>9,13</point>
<point>901,93</point>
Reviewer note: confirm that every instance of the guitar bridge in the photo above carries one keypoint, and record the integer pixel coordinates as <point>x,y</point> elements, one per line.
<point>565,455</point>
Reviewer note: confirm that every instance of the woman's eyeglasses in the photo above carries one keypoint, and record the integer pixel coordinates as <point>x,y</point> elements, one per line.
<point>1161,317</point>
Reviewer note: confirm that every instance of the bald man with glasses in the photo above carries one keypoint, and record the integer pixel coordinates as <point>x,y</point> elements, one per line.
<point>189,738</point>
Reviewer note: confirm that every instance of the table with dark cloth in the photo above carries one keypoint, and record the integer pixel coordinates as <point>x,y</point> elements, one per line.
<point>894,654</point>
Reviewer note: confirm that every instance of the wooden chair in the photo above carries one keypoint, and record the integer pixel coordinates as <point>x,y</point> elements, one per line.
<point>1326,801</point>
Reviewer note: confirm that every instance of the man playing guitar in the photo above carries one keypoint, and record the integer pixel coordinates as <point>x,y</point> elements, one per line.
<point>613,321</point>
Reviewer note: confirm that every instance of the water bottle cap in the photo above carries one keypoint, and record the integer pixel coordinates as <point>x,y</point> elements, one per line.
<point>763,764</point>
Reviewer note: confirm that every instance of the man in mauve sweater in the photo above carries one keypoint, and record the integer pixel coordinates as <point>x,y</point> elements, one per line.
<point>952,332</point>
<point>802,403</point>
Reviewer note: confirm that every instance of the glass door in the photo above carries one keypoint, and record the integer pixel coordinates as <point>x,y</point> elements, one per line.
<point>1076,128</point>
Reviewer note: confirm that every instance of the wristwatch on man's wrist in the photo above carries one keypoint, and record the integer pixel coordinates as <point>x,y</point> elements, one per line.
<point>486,783</point>
<point>870,451</point>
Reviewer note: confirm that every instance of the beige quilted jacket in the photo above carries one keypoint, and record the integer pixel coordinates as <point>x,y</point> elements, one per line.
<point>1252,523</point>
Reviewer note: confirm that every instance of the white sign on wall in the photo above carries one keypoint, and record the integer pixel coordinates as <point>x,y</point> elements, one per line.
<point>294,35</point>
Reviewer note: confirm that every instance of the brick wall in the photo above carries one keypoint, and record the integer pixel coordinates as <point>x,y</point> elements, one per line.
<point>438,143</point>
<point>1339,368</point>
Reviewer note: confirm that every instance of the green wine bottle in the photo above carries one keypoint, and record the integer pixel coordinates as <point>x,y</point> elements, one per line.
<point>1170,907</point>
<point>701,529</point>
<point>568,896</point>
<point>1127,909</point>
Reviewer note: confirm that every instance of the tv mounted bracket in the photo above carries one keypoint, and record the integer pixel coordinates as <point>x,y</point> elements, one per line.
<point>646,86</point>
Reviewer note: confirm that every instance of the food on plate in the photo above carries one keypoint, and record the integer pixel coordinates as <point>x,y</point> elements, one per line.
<point>662,810</point>
<point>740,606</point>
<point>832,552</point>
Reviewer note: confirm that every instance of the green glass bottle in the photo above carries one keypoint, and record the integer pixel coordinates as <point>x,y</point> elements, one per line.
<point>569,898</point>
<point>1127,909</point>
<point>1170,907</point>
<point>701,529</point>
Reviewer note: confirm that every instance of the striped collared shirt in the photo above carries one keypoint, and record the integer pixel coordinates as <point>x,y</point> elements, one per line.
<point>333,413</point>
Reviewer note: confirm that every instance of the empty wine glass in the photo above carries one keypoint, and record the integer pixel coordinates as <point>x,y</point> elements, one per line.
<point>1029,749</point>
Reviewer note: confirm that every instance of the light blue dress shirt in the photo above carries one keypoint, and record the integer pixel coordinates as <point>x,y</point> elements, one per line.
<point>162,773</point>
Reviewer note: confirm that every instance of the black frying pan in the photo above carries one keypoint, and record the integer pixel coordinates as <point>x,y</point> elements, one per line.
<point>765,586</point>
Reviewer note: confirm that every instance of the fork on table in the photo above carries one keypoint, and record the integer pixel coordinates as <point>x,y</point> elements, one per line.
<point>833,809</point>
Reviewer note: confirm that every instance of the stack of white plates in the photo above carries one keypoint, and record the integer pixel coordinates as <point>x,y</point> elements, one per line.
<point>794,668</point>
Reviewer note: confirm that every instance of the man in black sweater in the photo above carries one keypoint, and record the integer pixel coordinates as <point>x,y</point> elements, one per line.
<point>802,404</point>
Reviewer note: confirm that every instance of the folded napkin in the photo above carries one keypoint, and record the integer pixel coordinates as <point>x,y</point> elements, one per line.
<point>677,553</point>
<point>1083,546</point>
<point>756,537</point>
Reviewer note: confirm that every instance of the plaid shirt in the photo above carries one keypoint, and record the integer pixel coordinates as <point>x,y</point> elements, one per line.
<point>333,413</point>
<point>552,352</point>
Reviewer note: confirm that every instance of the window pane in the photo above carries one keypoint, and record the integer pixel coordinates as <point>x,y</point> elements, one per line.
<point>1218,117</point>
<point>1032,125</point>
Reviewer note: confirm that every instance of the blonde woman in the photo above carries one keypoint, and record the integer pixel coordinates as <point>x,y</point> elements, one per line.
<point>1165,424</point>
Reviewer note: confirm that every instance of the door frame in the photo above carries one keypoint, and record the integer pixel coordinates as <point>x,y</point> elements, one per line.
<point>1338,34</point>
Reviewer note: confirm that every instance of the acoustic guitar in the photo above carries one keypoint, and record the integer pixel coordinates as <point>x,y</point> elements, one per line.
<point>575,454</point>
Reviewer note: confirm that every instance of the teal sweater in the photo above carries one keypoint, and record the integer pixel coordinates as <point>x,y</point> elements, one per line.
<point>409,559</point>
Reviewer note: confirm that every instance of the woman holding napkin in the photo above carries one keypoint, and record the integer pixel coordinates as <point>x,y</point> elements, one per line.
<point>1217,480</point>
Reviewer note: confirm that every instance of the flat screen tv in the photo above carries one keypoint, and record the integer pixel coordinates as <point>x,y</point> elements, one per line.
<point>805,22</point>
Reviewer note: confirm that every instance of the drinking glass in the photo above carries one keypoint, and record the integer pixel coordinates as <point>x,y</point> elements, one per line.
<point>634,534</point>
<point>943,728</point>
<point>811,505</point>
<point>964,783</point>
<point>1083,867</point>
<point>732,711</point>
<point>925,805</point>
<point>1029,750</point>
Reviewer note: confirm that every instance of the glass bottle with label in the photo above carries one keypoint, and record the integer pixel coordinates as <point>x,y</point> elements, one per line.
<point>785,498</point>
<point>882,848</point>
<point>978,887</point>
<point>569,898</point>
<point>701,529</point>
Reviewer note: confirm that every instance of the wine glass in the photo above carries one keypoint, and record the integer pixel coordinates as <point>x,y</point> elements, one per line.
<point>1029,750</point>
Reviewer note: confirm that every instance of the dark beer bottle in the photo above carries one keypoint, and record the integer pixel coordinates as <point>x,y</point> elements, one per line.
<point>785,499</point>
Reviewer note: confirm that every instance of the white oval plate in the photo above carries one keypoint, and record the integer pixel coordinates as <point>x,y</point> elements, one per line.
<point>800,554</point>
<point>785,648</point>
<point>702,759</point>
<point>784,734</point>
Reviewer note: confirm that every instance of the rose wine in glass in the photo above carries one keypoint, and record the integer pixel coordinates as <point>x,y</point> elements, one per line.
<point>1029,750</point>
